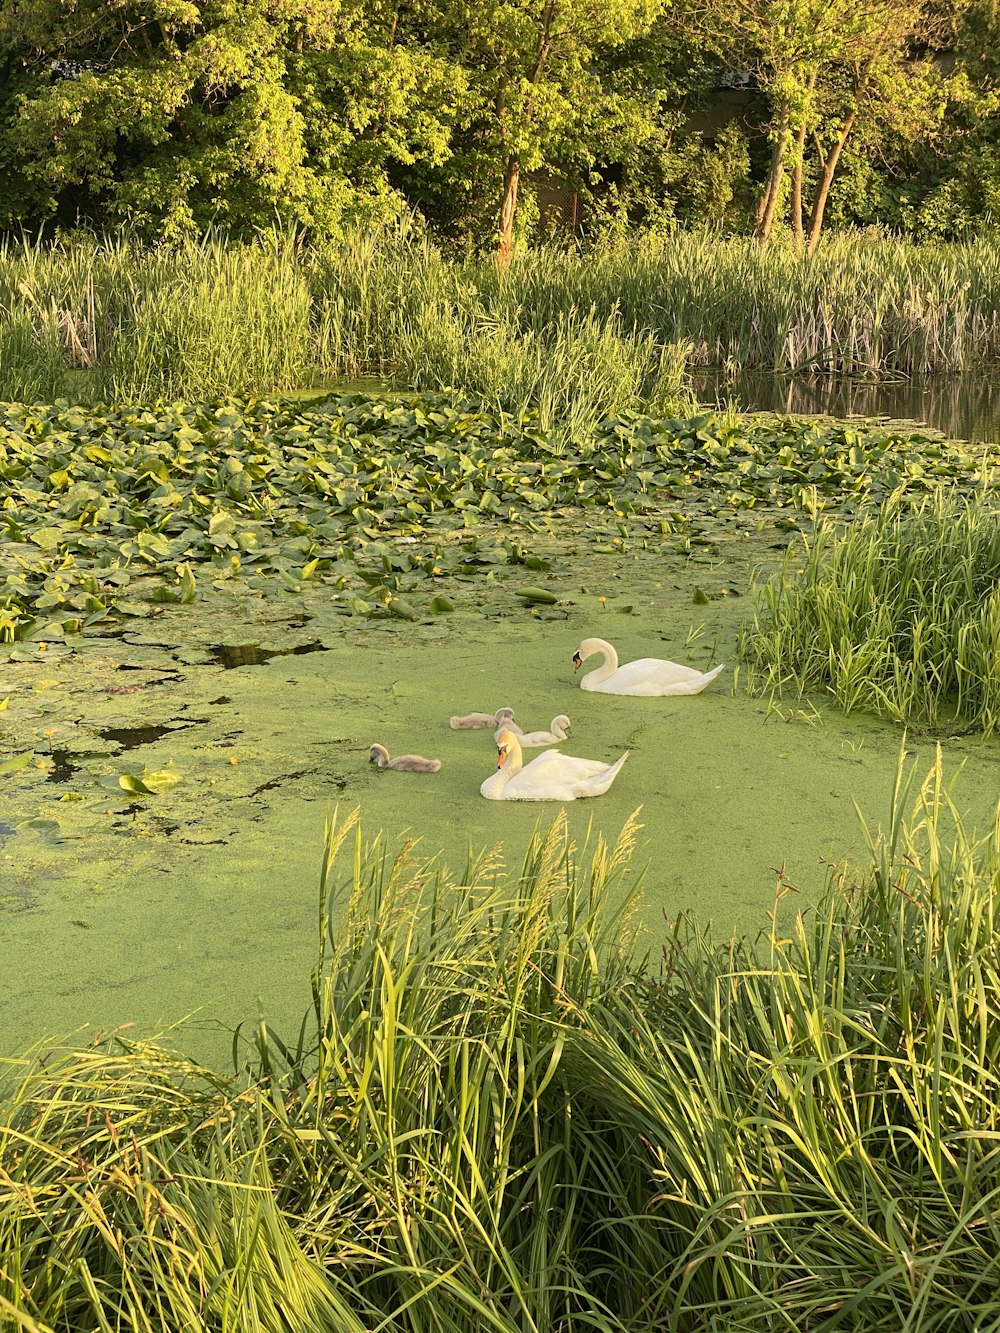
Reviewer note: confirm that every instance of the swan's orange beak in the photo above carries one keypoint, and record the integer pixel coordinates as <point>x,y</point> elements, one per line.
<point>577,661</point>
<point>501,755</point>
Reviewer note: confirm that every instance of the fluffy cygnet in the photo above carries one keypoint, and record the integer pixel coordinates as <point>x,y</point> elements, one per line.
<point>406,763</point>
<point>533,740</point>
<point>480,721</point>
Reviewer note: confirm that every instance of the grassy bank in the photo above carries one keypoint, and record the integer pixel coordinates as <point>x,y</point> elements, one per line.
<point>897,614</point>
<point>575,337</point>
<point>492,1119</point>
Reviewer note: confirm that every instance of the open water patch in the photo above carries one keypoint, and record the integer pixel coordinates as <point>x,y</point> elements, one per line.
<point>63,768</point>
<point>130,738</point>
<point>229,656</point>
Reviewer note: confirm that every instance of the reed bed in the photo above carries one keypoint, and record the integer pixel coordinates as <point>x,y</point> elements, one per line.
<point>583,335</point>
<point>493,1118</point>
<point>862,304</point>
<point>898,614</point>
<point>821,1109</point>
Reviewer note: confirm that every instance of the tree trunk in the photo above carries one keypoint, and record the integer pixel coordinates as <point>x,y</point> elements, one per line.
<point>800,148</point>
<point>824,183</point>
<point>508,207</point>
<point>775,175</point>
<point>512,166</point>
<point>797,229</point>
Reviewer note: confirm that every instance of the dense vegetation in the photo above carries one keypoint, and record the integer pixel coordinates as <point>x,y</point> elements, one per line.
<point>746,115</point>
<point>493,1119</point>
<point>109,512</point>
<point>897,613</point>
<point>577,339</point>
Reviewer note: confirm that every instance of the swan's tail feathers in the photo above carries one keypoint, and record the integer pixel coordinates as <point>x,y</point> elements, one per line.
<point>698,684</point>
<point>602,783</point>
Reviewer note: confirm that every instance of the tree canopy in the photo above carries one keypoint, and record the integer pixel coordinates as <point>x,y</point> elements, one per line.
<point>170,116</point>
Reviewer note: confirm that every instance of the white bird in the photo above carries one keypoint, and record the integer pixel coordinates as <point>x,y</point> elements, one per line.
<point>532,740</point>
<point>646,675</point>
<point>406,763</point>
<point>480,721</point>
<point>550,777</point>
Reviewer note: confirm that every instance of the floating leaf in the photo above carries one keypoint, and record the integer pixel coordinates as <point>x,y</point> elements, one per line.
<point>17,762</point>
<point>398,607</point>
<point>541,595</point>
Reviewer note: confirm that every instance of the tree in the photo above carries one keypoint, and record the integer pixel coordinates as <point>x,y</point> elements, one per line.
<point>812,57</point>
<point>174,114</point>
<point>878,81</point>
<point>532,65</point>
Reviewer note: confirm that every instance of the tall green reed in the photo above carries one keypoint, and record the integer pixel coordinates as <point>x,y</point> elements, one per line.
<point>584,334</point>
<point>493,1117</point>
<point>898,613</point>
<point>822,1112</point>
<point>413,1161</point>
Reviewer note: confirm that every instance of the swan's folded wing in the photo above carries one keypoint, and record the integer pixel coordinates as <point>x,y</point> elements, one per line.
<point>557,767</point>
<point>697,684</point>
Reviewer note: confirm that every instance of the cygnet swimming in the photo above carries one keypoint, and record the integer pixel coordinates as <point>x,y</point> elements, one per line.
<point>406,763</point>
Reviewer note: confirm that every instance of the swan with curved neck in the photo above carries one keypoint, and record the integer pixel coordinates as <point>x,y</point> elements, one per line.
<point>534,740</point>
<point>550,777</point>
<point>646,675</point>
<point>405,763</point>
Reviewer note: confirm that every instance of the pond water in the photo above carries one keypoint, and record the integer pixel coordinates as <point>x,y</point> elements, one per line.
<point>961,407</point>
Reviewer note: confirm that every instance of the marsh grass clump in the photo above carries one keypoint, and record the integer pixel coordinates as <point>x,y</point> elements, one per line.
<point>116,321</point>
<point>897,613</point>
<point>821,1109</point>
<point>412,1157</point>
<point>493,1118</point>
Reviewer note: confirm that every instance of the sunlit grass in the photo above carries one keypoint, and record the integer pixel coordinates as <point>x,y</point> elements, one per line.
<point>579,337</point>
<point>493,1118</point>
<point>897,614</point>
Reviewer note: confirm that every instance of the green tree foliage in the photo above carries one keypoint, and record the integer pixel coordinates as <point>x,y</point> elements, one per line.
<point>174,114</point>
<point>170,116</point>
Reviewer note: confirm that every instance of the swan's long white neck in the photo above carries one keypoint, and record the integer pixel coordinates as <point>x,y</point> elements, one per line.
<point>513,764</point>
<point>607,668</point>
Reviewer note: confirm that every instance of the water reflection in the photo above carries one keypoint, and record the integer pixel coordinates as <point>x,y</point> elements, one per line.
<point>960,408</point>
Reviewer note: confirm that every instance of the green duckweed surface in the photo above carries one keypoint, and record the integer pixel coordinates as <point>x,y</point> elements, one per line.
<point>200,898</point>
<point>168,771</point>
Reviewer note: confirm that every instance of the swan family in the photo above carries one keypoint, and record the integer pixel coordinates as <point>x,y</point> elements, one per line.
<point>554,776</point>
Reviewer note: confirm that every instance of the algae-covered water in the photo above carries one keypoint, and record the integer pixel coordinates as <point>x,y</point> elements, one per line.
<point>248,718</point>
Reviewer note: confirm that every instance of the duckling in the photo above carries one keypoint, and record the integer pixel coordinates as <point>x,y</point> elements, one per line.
<point>406,763</point>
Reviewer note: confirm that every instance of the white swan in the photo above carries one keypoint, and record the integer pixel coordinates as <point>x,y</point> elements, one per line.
<point>533,740</point>
<point>406,763</point>
<point>647,675</point>
<point>550,777</point>
<point>480,721</point>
